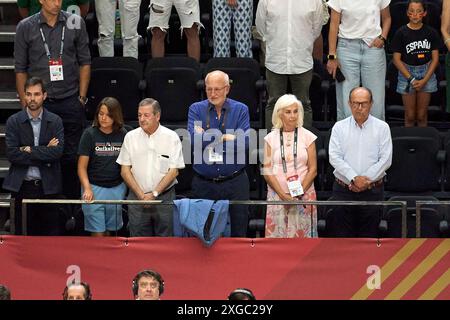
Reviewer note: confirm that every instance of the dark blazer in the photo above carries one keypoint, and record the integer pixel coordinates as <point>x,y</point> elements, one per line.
<point>19,133</point>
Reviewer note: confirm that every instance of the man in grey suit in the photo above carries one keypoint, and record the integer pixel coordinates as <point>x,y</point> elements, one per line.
<point>34,146</point>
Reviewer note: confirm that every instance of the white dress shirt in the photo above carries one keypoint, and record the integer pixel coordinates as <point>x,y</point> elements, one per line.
<point>360,151</point>
<point>151,156</point>
<point>289,28</point>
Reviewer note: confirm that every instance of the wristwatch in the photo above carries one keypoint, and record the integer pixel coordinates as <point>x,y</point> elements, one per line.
<point>155,193</point>
<point>83,99</point>
<point>331,57</point>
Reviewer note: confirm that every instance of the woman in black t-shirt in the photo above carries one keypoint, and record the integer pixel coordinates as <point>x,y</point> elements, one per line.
<point>416,56</point>
<point>98,171</point>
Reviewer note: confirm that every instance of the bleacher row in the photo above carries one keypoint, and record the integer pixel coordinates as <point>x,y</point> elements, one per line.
<point>421,164</point>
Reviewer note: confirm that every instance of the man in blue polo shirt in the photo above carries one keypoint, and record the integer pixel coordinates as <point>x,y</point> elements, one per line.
<point>219,129</point>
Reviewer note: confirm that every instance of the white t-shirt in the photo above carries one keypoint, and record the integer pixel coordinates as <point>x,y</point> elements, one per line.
<point>151,157</point>
<point>360,19</point>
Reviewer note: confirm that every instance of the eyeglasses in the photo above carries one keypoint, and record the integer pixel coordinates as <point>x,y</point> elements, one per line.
<point>364,104</point>
<point>214,90</point>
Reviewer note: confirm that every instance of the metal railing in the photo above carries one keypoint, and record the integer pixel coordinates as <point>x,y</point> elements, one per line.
<point>25,202</point>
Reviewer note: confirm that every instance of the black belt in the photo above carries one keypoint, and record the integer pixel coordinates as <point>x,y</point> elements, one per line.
<point>220,179</point>
<point>33,182</point>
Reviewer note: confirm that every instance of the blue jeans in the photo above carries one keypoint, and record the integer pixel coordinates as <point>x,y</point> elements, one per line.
<point>360,65</point>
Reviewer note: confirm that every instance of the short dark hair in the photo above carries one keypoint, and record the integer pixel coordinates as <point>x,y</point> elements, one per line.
<point>33,81</point>
<point>5,294</point>
<point>147,273</point>
<point>114,110</point>
<point>87,290</point>
<point>424,5</point>
<point>367,89</point>
<point>241,294</point>
<point>152,102</point>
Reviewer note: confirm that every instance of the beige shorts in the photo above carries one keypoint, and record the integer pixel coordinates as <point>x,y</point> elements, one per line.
<point>160,10</point>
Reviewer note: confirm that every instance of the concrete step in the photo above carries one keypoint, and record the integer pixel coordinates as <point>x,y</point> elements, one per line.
<point>9,101</point>
<point>7,33</point>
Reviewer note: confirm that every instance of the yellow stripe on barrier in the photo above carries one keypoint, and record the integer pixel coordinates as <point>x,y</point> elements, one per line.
<point>393,264</point>
<point>437,287</point>
<point>418,273</point>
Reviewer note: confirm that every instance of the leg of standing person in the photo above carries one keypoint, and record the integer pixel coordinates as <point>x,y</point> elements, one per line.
<point>369,216</point>
<point>242,21</point>
<point>276,86</point>
<point>373,75</point>
<point>222,16</point>
<point>238,189</point>
<point>300,84</point>
<point>139,219</point>
<point>343,220</point>
<point>189,14</point>
<point>409,102</point>
<point>106,13</point>
<point>349,56</point>
<point>129,17</point>
<point>423,101</point>
<point>158,25</point>
<point>164,215</point>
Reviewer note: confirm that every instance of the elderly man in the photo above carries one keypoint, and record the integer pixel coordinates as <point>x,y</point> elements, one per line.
<point>289,28</point>
<point>150,158</point>
<point>445,29</point>
<point>219,132</point>
<point>54,46</point>
<point>360,151</point>
<point>34,146</point>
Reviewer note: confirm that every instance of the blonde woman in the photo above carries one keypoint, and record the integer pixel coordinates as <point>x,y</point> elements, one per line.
<point>290,166</point>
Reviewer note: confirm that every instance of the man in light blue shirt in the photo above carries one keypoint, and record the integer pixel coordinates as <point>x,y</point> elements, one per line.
<point>360,152</point>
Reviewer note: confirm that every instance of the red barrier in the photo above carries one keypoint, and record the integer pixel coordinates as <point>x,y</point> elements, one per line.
<point>35,267</point>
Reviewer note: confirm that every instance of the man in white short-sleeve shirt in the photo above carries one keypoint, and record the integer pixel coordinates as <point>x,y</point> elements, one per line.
<point>150,158</point>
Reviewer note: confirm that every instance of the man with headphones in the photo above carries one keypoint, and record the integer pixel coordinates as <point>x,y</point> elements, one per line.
<point>148,285</point>
<point>77,291</point>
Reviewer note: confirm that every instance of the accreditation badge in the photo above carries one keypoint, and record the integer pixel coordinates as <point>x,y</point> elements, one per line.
<point>295,186</point>
<point>56,69</point>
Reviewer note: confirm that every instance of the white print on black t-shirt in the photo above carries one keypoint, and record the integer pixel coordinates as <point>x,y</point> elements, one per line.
<point>107,149</point>
<point>424,44</point>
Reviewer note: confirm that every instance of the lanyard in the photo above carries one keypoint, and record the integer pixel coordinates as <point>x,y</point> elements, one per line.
<point>283,159</point>
<point>221,123</point>
<point>47,50</point>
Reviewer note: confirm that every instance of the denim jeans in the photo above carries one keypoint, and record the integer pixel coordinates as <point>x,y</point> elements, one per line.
<point>129,18</point>
<point>364,66</point>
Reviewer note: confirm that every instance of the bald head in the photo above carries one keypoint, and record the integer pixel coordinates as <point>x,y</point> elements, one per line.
<point>217,75</point>
<point>217,85</point>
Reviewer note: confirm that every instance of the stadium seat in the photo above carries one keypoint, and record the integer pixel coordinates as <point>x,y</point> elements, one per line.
<point>118,77</point>
<point>174,82</point>
<point>433,223</point>
<point>417,161</point>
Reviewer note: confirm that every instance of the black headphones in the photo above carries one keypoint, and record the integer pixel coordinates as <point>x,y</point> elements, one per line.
<point>237,294</point>
<point>147,273</point>
<point>87,290</point>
